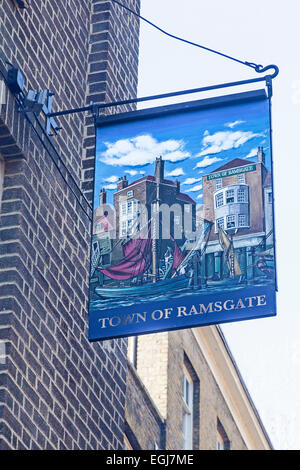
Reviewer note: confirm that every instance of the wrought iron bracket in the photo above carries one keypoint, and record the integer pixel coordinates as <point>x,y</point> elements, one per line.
<point>95,108</point>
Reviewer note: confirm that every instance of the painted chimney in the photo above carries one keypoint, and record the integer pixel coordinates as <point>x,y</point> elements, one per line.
<point>159,169</point>
<point>177,186</point>
<point>102,197</point>
<point>261,157</point>
<point>122,183</point>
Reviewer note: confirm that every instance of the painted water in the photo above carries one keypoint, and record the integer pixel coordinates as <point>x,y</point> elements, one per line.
<point>223,287</point>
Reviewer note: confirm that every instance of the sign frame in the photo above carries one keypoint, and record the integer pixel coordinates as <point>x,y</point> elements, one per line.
<point>170,315</point>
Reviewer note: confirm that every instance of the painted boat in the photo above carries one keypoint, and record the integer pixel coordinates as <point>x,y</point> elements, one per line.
<point>160,287</point>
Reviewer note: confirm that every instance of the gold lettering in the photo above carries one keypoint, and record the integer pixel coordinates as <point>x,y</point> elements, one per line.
<point>218,306</point>
<point>168,312</point>
<point>231,304</point>
<point>103,322</point>
<point>261,300</point>
<point>181,311</point>
<point>240,304</point>
<point>128,319</point>
<point>250,304</point>
<point>160,314</point>
<point>113,319</point>
<point>207,309</point>
<point>142,316</point>
<point>193,311</point>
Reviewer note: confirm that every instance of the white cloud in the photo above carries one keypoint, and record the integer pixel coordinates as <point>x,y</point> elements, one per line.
<point>207,161</point>
<point>252,153</point>
<point>111,179</point>
<point>110,186</point>
<point>131,172</point>
<point>198,187</point>
<point>199,196</point>
<point>142,150</point>
<point>176,172</point>
<point>224,140</point>
<point>233,124</point>
<point>191,181</point>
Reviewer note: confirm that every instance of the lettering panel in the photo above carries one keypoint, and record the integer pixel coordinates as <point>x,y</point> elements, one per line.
<point>183,224</point>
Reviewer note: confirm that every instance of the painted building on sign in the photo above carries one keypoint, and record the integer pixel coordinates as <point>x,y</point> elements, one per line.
<point>144,192</point>
<point>237,199</point>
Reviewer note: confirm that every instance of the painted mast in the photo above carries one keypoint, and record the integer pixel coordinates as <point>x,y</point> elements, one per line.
<point>159,176</point>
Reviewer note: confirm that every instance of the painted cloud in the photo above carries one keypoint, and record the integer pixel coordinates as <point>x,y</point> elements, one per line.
<point>224,140</point>
<point>142,150</point>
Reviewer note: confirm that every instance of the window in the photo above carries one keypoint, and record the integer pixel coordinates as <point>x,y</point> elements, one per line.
<point>130,194</point>
<point>242,195</point>
<point>123,228</point>
<point>218,183</point>
<point>230,221</point>
<point>129,207</point>
<point>187,414</point>
<point>223,442</point>
<point>229,196</point>
<point>123,208</point>
<point>220,223</point>
<point>219,200</point>
<point>242,220</point>
<point>132,350</point>
<point>270,197</point>
<point>241,178</point>
<point>177,219</point>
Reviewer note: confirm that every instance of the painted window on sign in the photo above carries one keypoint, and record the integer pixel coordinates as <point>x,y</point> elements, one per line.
<point>219,200</point>
<point>230,221</point>
<point>229,196</point>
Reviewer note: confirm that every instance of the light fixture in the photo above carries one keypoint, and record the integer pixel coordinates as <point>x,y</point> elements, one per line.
<point>34,101</point>
<point>15,80</point>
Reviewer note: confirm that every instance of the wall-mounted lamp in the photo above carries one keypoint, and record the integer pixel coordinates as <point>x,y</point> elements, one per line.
<point>15,80</point>
<point>34,101</point>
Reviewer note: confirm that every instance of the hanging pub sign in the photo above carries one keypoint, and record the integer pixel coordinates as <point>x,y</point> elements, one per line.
<point>183,229</point>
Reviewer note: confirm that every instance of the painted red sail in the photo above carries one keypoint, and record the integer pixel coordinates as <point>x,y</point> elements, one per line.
<point>177,256</point>
<point>137,260</point>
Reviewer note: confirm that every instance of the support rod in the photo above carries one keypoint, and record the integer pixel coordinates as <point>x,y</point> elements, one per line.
<point>92,106</point>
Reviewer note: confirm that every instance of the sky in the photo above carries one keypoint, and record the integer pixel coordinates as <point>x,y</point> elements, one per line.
<point>192,144</point>
<point>267,351</point>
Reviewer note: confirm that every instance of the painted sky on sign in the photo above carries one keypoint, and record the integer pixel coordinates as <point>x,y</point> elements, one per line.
<point>192,144</point>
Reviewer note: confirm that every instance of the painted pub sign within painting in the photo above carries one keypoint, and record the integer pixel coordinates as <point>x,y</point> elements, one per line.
<point>183,229</point>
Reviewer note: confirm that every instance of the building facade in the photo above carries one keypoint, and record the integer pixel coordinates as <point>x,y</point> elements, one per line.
<point>145,192</point>
<point>187,385</point>
<point>57,390</point>
<point>237,199</point>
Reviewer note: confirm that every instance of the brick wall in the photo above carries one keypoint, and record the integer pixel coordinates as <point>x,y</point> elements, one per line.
<point>57,391</point>
<point>142,416</point>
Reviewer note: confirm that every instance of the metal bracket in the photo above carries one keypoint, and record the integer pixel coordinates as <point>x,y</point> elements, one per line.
<point>94,108</point>
<point>261,69</point>
<point>50,122</point>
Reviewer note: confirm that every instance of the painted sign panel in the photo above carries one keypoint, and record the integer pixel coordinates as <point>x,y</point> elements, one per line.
<point>183,230</point>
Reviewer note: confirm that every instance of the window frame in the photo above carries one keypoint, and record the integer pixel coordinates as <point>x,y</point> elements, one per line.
<point>187,410</point>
